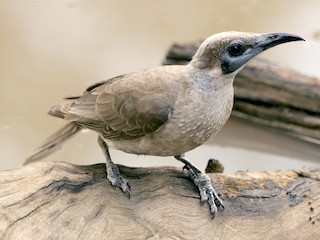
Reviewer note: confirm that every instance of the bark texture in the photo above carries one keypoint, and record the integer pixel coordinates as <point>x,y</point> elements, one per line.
<point>51,200</point>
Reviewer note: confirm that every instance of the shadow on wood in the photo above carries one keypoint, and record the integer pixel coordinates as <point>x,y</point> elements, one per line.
<point>52,200</point>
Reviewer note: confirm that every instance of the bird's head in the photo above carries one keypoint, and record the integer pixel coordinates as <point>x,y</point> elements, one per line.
<point>228,52</point>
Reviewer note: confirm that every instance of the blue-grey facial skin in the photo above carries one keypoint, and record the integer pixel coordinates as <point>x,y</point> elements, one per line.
<point>239,52</point>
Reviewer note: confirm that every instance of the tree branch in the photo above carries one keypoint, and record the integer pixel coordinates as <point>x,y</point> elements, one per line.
<point>51,200</point>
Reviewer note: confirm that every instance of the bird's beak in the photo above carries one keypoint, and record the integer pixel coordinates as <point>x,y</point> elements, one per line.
<point>256,44</point>
<point>266,41</point>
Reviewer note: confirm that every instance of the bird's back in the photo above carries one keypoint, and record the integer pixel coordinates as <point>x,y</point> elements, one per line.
<point>198,112</point>
<point>159,111</point>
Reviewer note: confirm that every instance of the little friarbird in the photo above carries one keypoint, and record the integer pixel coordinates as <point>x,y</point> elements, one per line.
<point>164,111</point>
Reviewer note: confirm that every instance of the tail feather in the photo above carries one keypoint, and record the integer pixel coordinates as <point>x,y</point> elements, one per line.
<point>54,142</point>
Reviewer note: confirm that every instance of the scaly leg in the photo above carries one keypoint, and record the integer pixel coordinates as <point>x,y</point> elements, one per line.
<point>112,170</point>
<point>203,182</point>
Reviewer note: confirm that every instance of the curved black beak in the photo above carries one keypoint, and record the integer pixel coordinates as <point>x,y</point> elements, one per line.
<point>269,40</point>
<point>253,46</point>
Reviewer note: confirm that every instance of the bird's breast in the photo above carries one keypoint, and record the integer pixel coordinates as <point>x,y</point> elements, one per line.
<point>196,116</point>
<point>202,114</point>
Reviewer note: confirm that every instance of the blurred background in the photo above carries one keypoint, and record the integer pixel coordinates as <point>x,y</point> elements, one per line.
<point>55,48</point>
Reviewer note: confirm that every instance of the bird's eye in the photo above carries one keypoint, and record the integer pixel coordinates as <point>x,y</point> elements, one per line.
<point>236,49</point>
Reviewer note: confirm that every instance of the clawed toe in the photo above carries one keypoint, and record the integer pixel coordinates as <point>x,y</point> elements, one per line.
<point>207,193</point>
<point>112,170</point>
<point>117,180</point>
<point>124,185</point>
<point>203,182</point>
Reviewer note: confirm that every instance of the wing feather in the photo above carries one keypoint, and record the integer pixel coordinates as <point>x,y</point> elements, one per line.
<point>126,107</point>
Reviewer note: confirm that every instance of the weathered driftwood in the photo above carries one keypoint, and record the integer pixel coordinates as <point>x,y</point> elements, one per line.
<point>50,200</point>
<point>271,95</point>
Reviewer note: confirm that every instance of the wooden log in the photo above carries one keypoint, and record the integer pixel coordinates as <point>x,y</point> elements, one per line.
<point>51,200</point>
<point>270,95</point>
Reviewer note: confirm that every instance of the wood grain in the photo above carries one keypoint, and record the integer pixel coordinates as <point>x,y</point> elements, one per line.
<point>51,200</point>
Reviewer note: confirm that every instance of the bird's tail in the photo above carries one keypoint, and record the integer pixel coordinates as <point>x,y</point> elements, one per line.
<point>54,142</point>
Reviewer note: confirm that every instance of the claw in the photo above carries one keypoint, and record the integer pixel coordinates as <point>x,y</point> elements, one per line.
<point>207,193</point>
<point>116,179</point>
<point>213,211</point>
<point>128,194</point>
<point>219,203</point>
<point>222,207</point>
<point>126,187</point>
<point>113,174</point>
<point>185,168</point>
<point>203,182</point>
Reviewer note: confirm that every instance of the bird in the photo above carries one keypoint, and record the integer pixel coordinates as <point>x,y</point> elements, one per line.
<point>166,110</point>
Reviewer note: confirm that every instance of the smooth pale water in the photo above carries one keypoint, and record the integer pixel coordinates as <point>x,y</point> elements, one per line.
<point>53,48</point>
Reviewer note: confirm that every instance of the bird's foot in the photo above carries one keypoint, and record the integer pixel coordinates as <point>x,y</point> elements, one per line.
<point>113,173</point>
<point>116,179</point>
<point>207,192</point>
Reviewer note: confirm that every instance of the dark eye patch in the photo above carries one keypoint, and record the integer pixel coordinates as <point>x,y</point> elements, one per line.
<point>236,49</point>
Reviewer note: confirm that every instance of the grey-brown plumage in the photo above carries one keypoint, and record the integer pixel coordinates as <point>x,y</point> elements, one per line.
<point>164,111</point>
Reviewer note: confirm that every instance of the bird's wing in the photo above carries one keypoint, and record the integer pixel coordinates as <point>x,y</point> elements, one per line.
<point>128,106</point>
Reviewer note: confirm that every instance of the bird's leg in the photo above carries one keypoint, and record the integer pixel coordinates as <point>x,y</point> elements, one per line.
<point>203,182</point>
<point>112,170</point>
